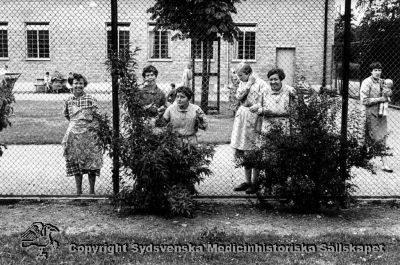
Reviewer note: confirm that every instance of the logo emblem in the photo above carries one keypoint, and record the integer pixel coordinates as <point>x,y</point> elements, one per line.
<point>40,235</point>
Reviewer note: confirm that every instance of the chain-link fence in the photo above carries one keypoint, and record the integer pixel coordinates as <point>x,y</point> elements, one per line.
<point>373,37</point>
<point>44,41</point>
<point>60,37</point>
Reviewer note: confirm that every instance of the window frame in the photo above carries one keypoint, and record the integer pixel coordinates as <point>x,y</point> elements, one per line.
<point>150,44</point>
<point>122,27</point>
<point>4,27</point>
<point>245,27</point>
<point>201,57</point>
<point>37,26</point>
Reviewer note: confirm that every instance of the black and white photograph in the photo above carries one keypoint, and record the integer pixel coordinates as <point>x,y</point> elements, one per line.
<point>200,131</point>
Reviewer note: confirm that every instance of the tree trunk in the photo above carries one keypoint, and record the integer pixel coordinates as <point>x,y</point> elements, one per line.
<point>205,79</point>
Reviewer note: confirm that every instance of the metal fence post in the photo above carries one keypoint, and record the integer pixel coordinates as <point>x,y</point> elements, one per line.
<point>345,88</point>
<point>325,43</point>
<point>115,104</point>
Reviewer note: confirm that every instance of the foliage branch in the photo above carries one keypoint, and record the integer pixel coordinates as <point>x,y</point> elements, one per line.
<point>303,167</point>
<point>158,174</point>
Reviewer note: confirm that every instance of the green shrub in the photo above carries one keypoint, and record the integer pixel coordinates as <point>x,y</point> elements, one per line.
<point>158,173</point>
<point>304,167</point>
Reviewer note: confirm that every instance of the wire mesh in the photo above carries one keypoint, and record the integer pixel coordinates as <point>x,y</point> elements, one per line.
<point>75,36</point>
<point>373,35</point>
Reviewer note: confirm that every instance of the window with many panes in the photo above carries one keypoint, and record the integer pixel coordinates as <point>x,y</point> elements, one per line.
<point>159,44</point>
<point>198,50</point>
<point>123,37</point>
<point>245,45</point>
<point>37,40</point>
<point>3,40</point>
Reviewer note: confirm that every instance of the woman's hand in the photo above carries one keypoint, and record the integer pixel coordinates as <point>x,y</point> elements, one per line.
<point>161,110</point>
<point>383,99</point>
<point>251,80</point>
<point>146,107</point>
<point>386,92</point>
<point>254,108</point>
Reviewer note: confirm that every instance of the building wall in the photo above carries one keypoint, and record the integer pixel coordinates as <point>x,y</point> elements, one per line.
<point>78,37</point>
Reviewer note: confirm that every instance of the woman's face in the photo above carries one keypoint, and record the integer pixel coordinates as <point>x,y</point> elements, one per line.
<point>376,73</point>
<point>77,86</point>
<point>275,82</point>
<point>182,100</point>
<point>150,77</point>
<point>242,76</point>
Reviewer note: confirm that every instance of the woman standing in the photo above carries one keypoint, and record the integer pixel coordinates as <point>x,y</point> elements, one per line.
<point>151,96</point>
<point>276,101</point>
<point>372,93</point>
<point>82,149</point>
<point>247,123</point>
<point>185,117</point>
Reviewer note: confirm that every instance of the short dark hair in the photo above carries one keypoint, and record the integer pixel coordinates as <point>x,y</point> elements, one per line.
<point>172,84</point>
<point>150,69</point>
<point>76,76</point>
<point>47,73</point>
<point>185,90</point>
<point>375,65</point>
<point>279,71</point>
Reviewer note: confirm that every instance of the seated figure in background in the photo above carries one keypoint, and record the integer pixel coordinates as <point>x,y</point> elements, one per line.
<point>57,81</point>
<point>47,82</point>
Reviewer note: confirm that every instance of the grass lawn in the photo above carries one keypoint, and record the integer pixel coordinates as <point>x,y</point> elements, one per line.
<point>225,225</point>
<point>42,122</point>
<point>12,253</point>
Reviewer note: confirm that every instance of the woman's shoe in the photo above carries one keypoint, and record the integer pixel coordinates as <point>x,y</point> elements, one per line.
<point>251,190</point>
<point>387,169</point>
<point>242,187</point>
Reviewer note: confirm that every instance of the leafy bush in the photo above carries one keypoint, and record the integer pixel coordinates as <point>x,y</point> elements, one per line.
<point>304,166</point>
<point>104,131</point>
<point>158,173</point>
<point>5,111</point>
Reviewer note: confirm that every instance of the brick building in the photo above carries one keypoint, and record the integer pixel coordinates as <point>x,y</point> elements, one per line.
<point>72,36</point>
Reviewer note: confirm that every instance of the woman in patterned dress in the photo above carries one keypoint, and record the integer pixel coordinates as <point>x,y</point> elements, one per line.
<point>247,123</point>
<point>276,101</point>
<point>82,150</point>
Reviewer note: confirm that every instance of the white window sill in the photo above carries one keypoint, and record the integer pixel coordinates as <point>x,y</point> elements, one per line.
<point>201,60</point>
<point>159,60</point>
<point>246,60</point>
<point>37,59</point>
<point>4,59</point>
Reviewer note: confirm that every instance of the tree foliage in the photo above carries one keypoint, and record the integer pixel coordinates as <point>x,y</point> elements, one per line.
<point>196,19</point>
<point>375,38</point>
<point>303,167</point>
<point>379,38</point>
<point>158,174</point>
<point>199,20</point>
